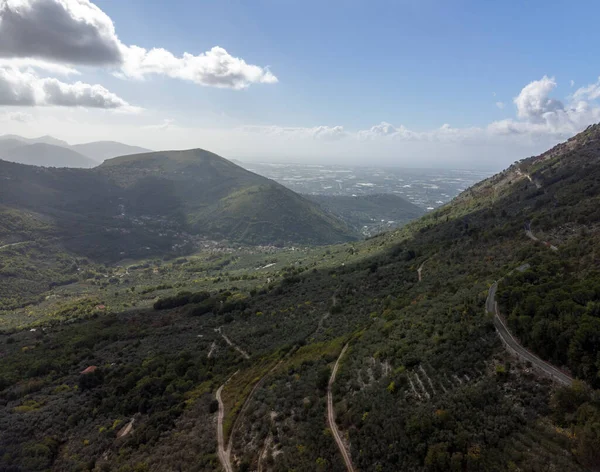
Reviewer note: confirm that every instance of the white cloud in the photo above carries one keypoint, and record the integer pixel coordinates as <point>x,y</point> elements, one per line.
<point>591,92</point>
<point>70,32</point>
<point>216,68</point>
<point>533,101</point>
<point>24,88</point>
<point>500,105</point>
<point>319,133</point>
<point>572,83</point>
<point>17,116</point>
<point>541,115</point>
<point>38,64</point>
<point>166,124</point>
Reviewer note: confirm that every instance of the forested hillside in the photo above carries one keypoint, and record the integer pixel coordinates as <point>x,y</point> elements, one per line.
<point>156,204</point>
<point>424,385</point>
<point>370,214</point>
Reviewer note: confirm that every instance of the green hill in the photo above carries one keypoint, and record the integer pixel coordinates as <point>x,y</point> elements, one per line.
<point>219,199</point>
<point>140,206</point>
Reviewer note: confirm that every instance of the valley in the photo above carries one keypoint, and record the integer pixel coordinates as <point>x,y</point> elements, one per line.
<point>370,354</point>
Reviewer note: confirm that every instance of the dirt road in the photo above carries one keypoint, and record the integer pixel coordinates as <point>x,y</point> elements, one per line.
<point>331,415</point>
<point>532,236</point>
<point>14,244</point>
<point>244,354</point>
<point>224,454</point>
<point>419,270</point>
<point>513,345</point>
<point>247,402</point>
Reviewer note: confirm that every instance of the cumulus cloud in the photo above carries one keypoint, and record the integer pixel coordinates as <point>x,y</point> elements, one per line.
<point>71,31</point>
<point>534,101</point>
<point>319,133</point>
<point>500,105</point>
<point>78,32</point>
<point>215,68</point>
<point>541,115</point>
<point>388,131</point>
<point>24,88</point>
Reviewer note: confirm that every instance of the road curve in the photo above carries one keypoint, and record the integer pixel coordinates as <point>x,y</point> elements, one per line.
<point>224,454</point>
<point>331,415</point>
<point>513,345</point>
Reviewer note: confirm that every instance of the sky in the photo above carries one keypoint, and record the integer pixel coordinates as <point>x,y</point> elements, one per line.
<point>411,83</point>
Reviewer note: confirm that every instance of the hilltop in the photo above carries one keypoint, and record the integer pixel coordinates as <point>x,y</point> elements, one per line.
<point>244,346</point>
<point>219,199</point>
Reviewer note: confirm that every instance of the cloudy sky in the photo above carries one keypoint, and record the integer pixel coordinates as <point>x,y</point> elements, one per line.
<point>420,83</point>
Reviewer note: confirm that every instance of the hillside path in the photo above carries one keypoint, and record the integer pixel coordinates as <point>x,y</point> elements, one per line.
<point>247,402</point>
<point>244,354</point>
<point>331,415</point>
<point>224,454</point>
<point>420,270</point>
<point>14,244</point>
<point>532,236</point>
<point>491,306</point>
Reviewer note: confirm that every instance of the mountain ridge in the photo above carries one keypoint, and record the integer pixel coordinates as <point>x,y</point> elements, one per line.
<point>96,151</point>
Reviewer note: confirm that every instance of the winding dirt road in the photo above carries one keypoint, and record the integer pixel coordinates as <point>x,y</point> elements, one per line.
<point>512,345</point>
<point>532,236</point>
<point>224,454</point>
<point>331,415</point>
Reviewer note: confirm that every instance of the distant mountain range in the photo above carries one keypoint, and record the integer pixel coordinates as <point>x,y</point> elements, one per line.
<point>47,151</point>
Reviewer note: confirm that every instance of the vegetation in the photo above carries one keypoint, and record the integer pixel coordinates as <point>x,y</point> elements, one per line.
<point>425,385</point>
<point>372,213</point>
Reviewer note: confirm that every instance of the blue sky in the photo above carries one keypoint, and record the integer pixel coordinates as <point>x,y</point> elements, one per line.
<point>423,63</point>
<point>342,68</point>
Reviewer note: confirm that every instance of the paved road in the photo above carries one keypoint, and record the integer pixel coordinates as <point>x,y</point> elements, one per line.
<point>513,345</point>
<point>224,454</point>
<point>331,415</point>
